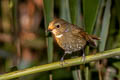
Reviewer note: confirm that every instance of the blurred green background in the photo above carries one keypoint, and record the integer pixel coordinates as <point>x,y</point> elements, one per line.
<point>25,42</point>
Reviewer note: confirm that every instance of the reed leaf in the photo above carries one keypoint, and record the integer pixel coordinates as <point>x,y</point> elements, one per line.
<point>90,9</point>
<point>105,26</point>
<point>48,16</point>
<point>74,7</point>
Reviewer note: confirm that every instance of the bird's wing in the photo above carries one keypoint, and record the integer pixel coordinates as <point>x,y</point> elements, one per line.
<point>76,31</point>
<point>81,33</point>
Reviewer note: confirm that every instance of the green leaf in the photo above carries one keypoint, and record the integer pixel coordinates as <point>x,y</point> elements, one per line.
<point>117,65</point>
<point>74,7</point>
<point>117,6</point>
<point>48,16</point>
<point>105,25</point>
<point>90,9</point>
<point>64,10</point>
<point>74,10</point>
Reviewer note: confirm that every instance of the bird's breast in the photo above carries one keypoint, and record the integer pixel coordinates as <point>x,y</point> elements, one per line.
<point>70,43</point>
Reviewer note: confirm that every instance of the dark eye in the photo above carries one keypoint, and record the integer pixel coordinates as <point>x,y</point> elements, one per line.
<point>57,25</point>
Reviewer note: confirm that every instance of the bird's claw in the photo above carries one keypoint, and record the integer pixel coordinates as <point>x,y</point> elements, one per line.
<point>62,62</point>
<point>83,59</point>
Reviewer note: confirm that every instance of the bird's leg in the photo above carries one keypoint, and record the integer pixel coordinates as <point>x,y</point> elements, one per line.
<point>66,52</point>
<point>62,59</point>
<point>83,55</point>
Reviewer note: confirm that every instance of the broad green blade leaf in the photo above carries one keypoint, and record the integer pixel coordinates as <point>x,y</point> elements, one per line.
<point>112,31</point>
<point>74,7</point>
<point>64,10</point>
<point>105,25</point>
<point>74,10</point>
<point>77,74</point>
<point>117,65</point>
<point>90,9</point>
<point>117,6</point>
<point>48,11</point>
<point>98,20</point>
<point>48,16</point>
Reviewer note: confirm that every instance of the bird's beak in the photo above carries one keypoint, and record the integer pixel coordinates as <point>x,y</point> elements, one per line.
<point>50,27</point>
<point>49,30</point>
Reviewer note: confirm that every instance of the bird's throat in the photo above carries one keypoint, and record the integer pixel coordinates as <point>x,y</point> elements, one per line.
<point>59,36</point>
<point>56,34</point>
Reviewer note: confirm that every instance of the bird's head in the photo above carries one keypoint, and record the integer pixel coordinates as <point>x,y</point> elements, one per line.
<point>57,26</point>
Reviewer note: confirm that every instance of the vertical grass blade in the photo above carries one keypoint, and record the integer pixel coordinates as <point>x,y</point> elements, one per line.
<point>98,21</point>
<point>79,14</point>
<point>90,9</point>
<point>5,15</point>
<point>105,25</point>
<point>74,7</point>
<point>87,74</point>
<point>48,16</point>
<point>77,74</point>
<point>64,10</point>
<point>117,6</point>
<point>16,31</point>
<point>105,29</point>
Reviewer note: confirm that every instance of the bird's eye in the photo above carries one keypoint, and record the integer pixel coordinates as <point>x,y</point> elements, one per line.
<point>57,25</point>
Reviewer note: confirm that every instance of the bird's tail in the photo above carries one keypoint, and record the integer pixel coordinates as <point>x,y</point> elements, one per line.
<point>92,39</point>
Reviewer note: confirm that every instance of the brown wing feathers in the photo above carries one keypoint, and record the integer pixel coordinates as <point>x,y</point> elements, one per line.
<point>90,38</point>
<point>81,33</point>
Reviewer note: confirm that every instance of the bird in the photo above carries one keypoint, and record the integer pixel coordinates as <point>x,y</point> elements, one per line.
<point>70,37</point>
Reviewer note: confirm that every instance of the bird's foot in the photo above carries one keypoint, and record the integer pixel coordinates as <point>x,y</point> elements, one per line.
<point>83,58</point>
<point>62,62</point>
<point>62,59</point>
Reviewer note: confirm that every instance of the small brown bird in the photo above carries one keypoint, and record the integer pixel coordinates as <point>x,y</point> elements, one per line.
<point>70,37</point>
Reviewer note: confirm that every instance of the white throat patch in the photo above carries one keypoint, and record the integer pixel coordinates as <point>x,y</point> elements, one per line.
<point>54,31</point>
<point>59,36</point>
